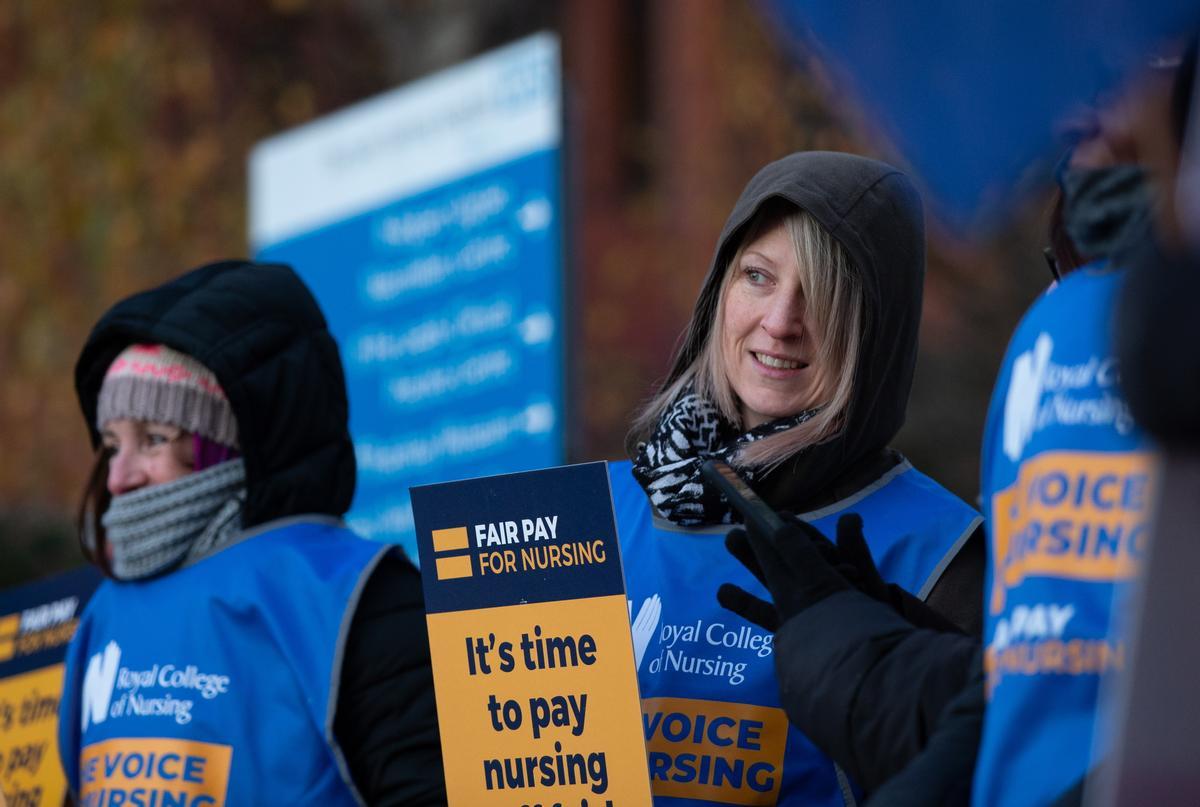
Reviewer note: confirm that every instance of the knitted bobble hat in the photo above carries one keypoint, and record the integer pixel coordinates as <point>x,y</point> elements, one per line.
<point>156,384</point>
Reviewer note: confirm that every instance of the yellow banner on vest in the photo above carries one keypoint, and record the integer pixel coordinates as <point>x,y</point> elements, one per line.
<point>730,753</point>
<point>1077,515</point>
<point>154,770</point>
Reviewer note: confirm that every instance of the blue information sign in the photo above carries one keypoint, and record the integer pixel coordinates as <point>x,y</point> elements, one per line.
<point>427,222</point>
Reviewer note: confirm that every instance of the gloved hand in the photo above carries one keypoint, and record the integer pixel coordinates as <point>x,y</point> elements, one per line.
<point>855,563</point>
<point>790,562</point>
<point>820,569</point>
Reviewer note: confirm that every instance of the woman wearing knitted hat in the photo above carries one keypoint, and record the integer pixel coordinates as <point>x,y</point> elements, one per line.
<point>247,648</point>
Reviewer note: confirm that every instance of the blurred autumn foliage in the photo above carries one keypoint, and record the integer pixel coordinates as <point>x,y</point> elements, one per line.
<point>125,126</point>
<point>122,162</point>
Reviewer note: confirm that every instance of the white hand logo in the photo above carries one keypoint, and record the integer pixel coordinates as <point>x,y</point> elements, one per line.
<point>644,625</point>
<point>1024,395</point>
<point>98,683</point>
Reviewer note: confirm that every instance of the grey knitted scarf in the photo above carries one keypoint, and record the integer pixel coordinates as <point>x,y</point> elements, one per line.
<point>155,529</point>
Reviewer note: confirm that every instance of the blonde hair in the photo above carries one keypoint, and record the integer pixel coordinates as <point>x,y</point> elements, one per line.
<point>833,308</point>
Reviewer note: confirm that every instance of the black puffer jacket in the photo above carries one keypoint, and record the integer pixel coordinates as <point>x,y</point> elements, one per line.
<point>258,328</point>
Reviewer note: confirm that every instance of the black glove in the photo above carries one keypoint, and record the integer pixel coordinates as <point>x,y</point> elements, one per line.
<point>790,562</point>
<point>856,565</point>
<point>822,570</point>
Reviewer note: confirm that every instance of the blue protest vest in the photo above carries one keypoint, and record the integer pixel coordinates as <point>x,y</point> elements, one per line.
<point>715,730</point>
<point>216,684</point>
<point>1067,490</point>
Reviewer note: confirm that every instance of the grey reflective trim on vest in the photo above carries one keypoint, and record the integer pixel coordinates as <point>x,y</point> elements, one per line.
<point>855,498</point>
<point>307,518</point>
<point>335,672</point>
<point>259,529</point>
<point>844,785</point>
<point>701,529</point>
<point>950,555</point>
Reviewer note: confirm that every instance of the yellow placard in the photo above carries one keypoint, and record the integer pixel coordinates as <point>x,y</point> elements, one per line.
<point>30,771</point>
<point>536,704</point>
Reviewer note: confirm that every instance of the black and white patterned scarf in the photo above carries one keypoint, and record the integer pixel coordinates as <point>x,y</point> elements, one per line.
<point>154,529</point>
<point>668,464</point>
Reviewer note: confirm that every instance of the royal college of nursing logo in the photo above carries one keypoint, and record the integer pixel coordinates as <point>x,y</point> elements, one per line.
<point>643,626</point>
<point>1024,395</point>
<point>1042,394</point>
<point>98,683</point>
<point>161,690</point>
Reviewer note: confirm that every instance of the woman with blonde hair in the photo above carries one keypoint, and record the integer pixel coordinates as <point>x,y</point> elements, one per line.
<point>795,369</point>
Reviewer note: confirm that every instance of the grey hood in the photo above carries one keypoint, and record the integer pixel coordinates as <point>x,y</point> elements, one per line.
<point>874,212</point>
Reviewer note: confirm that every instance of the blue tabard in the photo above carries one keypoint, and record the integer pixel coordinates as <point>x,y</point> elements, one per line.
<point>1067,490</point>
<point>216,684</point>
<point>715,730</point>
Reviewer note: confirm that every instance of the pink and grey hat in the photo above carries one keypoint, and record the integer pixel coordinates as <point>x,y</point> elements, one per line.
<point>157,384</point>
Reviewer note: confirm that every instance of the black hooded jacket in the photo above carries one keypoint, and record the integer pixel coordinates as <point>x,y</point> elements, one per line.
<point>864,703</point>
<point>260,331</point>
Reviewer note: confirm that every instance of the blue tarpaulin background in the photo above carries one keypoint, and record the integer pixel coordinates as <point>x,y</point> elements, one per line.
<point>969,92</point>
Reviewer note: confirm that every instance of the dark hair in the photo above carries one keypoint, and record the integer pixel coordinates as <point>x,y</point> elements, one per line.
<point>92,506</point>
<point>1181,91</point>
<point>1062,249</point>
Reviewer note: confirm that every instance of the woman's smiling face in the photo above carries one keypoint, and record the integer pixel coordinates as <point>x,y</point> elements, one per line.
<point>767,348</point>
